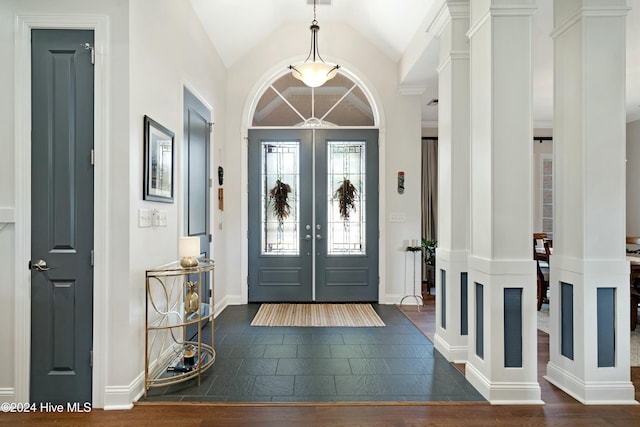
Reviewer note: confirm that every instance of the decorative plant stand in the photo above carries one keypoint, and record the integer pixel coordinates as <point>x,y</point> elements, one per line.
<point>418,298</point>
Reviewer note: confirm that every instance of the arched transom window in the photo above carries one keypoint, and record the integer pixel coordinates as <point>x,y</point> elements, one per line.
<point>289,102</point>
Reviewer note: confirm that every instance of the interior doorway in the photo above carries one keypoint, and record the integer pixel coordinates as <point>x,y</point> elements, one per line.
<point>62,215</point>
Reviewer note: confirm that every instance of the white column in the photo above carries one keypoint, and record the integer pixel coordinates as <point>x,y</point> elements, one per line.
<point>453,182</point>
<point>589,286</point>
<point>502,284</point>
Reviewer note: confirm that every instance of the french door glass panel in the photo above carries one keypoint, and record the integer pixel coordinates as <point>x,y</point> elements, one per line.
<point>280,173</point>
<point>346,167</point>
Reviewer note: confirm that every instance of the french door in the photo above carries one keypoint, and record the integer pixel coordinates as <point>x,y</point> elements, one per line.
<point>313,215</point>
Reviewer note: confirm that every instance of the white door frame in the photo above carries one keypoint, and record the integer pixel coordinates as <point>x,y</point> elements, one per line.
<point>379,123</point>
<point>22,330</point>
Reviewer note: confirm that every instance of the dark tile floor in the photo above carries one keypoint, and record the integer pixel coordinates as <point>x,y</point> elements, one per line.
<point>394,363</point>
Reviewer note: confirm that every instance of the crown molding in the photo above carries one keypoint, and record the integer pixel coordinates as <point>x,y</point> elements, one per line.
<point>412,89</point>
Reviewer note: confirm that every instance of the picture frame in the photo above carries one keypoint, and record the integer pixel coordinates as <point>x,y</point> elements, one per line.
<point>159,161</point>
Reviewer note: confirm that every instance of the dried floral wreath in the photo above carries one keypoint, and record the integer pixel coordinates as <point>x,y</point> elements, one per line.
<point>279,196</point>
<point>346,195</point>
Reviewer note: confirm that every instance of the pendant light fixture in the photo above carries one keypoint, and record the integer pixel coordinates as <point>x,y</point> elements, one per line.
<point>314,71</point>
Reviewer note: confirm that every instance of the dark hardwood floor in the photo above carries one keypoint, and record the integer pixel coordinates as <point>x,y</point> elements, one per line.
<point>559,410</point>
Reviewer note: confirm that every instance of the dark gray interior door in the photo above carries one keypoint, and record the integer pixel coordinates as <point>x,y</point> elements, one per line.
<point>197,182</point>
<point>62,216</point>
<point>313,237</point>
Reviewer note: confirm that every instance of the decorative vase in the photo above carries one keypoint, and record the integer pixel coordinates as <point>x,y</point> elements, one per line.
<point>192,300</point>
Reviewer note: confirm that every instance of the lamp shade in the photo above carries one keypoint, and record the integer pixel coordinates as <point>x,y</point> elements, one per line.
<point>189,247</point>
<point>314,74</point>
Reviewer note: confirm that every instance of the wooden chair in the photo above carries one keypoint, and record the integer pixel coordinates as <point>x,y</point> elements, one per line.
<point>542,265</point>
<point>538,237</point>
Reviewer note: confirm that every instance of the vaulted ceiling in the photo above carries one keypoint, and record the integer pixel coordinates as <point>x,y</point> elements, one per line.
<point>394,26</point>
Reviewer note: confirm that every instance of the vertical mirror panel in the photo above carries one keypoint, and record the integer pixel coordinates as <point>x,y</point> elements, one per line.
<point>280,197</point>
<point>346,200</point>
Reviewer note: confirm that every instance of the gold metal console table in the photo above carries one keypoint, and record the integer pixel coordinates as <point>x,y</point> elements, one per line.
<point>175,348</point>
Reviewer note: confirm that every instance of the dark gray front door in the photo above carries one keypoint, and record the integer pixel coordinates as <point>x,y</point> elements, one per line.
<point>197,183</point>
<point>280,248</point>
<point>313,252</point>
<point>346,242</point>
<point>62,216</point>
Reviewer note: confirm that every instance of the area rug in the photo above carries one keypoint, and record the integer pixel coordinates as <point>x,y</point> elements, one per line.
<point>317,315</point>
<point>543,325</point>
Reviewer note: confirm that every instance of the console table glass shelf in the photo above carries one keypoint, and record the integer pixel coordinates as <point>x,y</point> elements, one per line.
<point>175,347</point>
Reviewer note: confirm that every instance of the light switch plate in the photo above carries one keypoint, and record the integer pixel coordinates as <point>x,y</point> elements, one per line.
<point>144,218</point>
<point>162,218</point>
<point>397,217</point>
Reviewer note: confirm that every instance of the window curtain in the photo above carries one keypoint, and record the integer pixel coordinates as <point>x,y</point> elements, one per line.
<point>429,191</point>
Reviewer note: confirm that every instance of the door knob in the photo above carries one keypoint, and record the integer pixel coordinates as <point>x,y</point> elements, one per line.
<point>318,237</point>
<point>308,237</point>
<point>40,265</point>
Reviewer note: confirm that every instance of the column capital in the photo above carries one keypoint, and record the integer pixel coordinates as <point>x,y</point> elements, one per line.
<point>450,10</point>
<point>527,9</point>
<point>568,17</point>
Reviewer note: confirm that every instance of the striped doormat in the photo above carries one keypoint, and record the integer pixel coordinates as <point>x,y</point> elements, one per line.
<point>313,315</point>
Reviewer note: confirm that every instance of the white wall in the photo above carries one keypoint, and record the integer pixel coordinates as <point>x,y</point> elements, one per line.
<point>154,49</point>
<point>400,140</point>
<point>169,50</point>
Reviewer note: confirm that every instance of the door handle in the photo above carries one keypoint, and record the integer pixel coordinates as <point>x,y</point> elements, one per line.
<point>318,237</point>
<point>308,237</point>
<point>40,265</point>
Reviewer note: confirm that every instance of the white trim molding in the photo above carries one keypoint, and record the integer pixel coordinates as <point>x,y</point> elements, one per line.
<point>24,24</point>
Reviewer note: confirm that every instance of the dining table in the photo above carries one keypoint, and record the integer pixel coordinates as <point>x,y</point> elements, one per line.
<point>634,280</point>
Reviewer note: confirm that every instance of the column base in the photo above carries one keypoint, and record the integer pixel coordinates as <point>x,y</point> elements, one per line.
<point>453,353</point>
<point>504,393</point>
<point>592,392</point>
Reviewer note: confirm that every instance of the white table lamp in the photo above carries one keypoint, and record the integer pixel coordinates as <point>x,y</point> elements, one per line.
<point>189,250</point>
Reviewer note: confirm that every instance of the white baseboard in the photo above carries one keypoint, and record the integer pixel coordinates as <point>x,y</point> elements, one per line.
<point>122,397</point>
<point>219,306</point>
<point>591,393</point>
<point>455,354</point>
<point>504,393</point>
<point>394,299</point>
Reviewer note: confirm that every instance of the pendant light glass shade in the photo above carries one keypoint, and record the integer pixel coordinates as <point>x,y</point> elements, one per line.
<point>314,74</point>
<point>314,71</point>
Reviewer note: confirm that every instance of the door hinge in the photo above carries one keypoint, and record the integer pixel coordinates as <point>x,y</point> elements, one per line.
<point>91,358</point>
<point>88,46</point>
<point>210,293</point>
<point>210,126</point>
<point>210,183</point>
<point>210,238</point>
<point>93,157</point>
<point>93,256</point>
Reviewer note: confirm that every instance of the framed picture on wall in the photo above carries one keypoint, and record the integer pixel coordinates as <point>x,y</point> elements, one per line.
<point>159,157</point>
